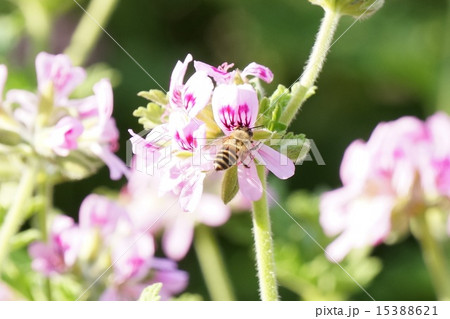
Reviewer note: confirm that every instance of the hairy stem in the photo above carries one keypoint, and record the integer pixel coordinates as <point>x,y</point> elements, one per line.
<point>212,265</point>
<point>313,67</point>
<point>434,259</point>
<point>16,213</point>
<point>89,29</point>
<point>262,234</point>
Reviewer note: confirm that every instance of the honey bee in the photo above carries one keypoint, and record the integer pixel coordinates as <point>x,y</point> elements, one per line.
<point>235,148</point>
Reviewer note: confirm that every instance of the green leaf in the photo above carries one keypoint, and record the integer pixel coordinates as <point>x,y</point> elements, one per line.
<point>151,293</point>
<point>277,103</point>
<point>230,185</point>
<point>294,146</point>
<point>149,116</point>
<point>262,134</point>
<point>188,297</point>
<point>157,96</point>
<point>9,138</point>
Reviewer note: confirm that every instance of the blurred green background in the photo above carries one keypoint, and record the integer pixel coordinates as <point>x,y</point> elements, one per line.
<point>395,63</point>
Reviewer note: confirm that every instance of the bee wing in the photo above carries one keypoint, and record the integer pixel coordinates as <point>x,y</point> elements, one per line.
<point>205,154</point>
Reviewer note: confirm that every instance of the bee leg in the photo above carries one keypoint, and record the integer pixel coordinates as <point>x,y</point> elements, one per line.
<point>249,156</point>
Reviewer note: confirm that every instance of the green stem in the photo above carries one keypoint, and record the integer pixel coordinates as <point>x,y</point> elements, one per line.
<point>262,234</point>
<point>434,259</point>
<point>16,213</point>
<point>443,93</point>
<point>89,29</point>
<point>212,265</point>
<point>313,67</point>
<point>45,191</point>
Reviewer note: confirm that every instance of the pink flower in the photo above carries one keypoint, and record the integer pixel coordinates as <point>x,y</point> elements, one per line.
<point>60,252</point>
<point>193,96</point>
<point>132,255</point>
<point>219,74</point>
<point>64,135</point>
<point>404,165</point>
<point>222,76</point>
<point>58,71</point>
<point>173,282</point>
<point>259,71</point>
<point>178,225</point>
<point>188,134</point>
<point>103,137</point>
<point>100,212</point>
<point>236,107</point>
<point>60,126</point>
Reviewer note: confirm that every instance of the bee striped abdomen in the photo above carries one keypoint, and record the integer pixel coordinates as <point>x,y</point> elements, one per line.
<point>225,158</point>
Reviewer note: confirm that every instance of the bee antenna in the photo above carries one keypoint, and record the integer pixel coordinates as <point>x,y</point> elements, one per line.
<point>256,126</point>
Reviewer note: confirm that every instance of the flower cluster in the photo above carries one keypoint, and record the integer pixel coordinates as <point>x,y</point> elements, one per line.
<point>402,170</point>
<point>212,103</point>
<point>106,235</point>
<point>155,215</point>
<point>49,124</point>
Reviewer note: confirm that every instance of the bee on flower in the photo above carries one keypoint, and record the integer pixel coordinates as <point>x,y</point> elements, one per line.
<point>217,107</point>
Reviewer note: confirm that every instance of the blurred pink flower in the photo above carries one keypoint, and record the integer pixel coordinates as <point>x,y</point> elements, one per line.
<point>60,252</point>
<point>64,135</point>
<point>55,125</point>
<point>150,212</point>
<point>173,280</point>
<point>236,107</point>
<point>132,255</point>
<point>6,293</point>
<point>57,70</point>
<point>404,161</point>
<point>100,212</point>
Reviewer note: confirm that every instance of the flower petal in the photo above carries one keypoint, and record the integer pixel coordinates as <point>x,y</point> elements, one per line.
<point>212,211</point>
<point>235,106</point>
<point>191,192</point>
<point>258,70</point>
<point>249,182</point>
<point>105,101</point>
<point>178,236</point>
<point>176,82</point>
<point>220,74</point>
<point>277,163</point>
<point>117,168</point>
<point>64,135</point>
<point>58,70</point>
<point>179,71</point>
<point>196,93</point>
<point>173,282</point>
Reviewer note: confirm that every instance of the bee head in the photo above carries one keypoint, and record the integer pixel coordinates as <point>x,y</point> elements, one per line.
<point>246,129</point>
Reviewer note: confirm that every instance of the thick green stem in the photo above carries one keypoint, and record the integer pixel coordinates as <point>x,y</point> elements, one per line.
<point>16,213</point>
<point>434,259</point>
<point>89,29</point>
<point>313,67</point>
<point>212,265</point>
<point>262,234</point>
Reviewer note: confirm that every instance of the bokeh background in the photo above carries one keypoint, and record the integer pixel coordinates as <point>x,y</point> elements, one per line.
<point>395,63</point>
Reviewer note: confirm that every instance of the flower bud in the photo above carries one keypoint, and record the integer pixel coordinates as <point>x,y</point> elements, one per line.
<point>355,8</point>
